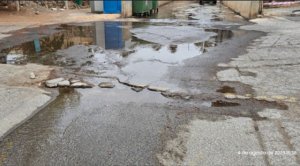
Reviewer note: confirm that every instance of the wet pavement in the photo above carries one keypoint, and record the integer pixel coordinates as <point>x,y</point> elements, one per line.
<point>176,51</point>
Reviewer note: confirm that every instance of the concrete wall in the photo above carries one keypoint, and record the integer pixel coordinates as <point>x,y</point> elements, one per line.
<point>126,8</point>
<point>247,9</point>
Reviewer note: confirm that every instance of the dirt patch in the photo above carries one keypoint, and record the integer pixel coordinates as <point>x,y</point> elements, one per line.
<point>20,74</point>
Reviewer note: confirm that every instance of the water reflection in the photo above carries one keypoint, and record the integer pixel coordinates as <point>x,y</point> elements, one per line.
<point>221,36</point>
<point>34,50</point>
<point>111,35</point>
<point>37,44</point>
<point>173,48</point>
<point>105,35</point>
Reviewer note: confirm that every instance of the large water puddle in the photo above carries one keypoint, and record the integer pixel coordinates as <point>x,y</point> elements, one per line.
<point>135,53</point>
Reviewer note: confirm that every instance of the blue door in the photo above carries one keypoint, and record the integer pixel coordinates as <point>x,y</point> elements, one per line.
<point>113,35</point>
<point>112,6</point>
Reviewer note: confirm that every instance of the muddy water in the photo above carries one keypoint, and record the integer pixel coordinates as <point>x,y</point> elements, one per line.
<point>116,126</point>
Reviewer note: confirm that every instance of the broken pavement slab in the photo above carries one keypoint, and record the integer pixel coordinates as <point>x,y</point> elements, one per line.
<point>61,82</point>
<point>274,59</point>
<point>106,85</point>
<point>262,98</point>
<point>137,85</point>
<point>73,80</point>
<point>157,88</point>
<point>53,83</point>
<point>81,85</point>
<point>64,83</point>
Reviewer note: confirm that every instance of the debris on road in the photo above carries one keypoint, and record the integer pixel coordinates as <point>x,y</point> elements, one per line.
<point>32,75</point>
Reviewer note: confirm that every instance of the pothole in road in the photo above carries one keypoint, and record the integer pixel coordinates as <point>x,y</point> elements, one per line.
<point>106,49</point>
<point>111,49</point>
